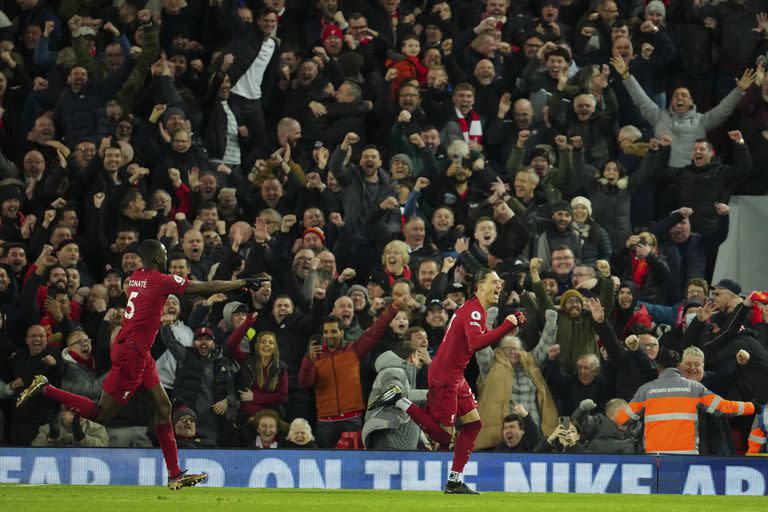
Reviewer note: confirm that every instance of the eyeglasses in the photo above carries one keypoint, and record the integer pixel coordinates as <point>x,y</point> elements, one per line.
<point>86,150</point>
<point>187,419</point>
<point>649,346</point>
<point>80,342</point>
<point>562,258</point>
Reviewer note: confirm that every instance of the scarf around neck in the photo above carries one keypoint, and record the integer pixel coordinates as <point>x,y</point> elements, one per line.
<point>473,131</point>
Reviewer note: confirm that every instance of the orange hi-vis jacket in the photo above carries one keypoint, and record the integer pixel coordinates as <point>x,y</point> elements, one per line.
<point>757,438</point>
<point>669,405</point>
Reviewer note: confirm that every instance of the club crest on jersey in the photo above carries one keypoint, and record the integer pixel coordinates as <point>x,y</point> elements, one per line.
<point>475,315</point>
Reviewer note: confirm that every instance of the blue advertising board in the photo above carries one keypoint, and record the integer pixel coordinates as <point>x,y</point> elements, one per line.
<point>306,469</point>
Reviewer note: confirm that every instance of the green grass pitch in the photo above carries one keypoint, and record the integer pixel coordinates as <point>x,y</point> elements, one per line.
<point>78,498</point>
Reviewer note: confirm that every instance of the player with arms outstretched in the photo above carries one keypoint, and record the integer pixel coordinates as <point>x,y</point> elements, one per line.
<point>449,394</point>
<point>133,368</point>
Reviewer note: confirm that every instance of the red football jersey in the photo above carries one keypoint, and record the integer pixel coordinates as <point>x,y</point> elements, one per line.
<point>464,336</point>
<point>146,292</point>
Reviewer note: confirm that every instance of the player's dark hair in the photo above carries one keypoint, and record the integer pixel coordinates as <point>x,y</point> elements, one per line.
<point>148,251</point>
<point>480,276</point>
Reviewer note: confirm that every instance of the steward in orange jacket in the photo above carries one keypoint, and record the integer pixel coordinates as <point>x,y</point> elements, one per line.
<point>757,438</point>
<point>669,405</point>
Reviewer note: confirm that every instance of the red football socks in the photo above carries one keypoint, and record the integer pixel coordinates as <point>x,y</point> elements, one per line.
<point>164,433</point>
<point>465,441</point>
<point>87,407</point>
<point>428,424</point>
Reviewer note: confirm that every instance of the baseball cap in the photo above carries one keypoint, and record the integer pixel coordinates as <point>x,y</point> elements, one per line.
<point>202,332</point>
<point>114,270</point>
<point>730,285</point>
<point>456,288</point>
<point>435,304</point>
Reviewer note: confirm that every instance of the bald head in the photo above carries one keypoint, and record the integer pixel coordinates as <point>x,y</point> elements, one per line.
<point>522,111</point>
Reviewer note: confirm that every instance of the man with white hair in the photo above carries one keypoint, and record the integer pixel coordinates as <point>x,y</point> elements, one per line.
<point>510,377</point>
<point>714,431</point>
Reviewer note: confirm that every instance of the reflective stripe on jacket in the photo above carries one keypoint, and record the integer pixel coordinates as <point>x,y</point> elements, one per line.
<point>757,438</point>
<point>669,405</point>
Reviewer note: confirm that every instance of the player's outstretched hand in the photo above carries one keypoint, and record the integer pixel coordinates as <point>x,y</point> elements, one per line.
<point>253,283</point>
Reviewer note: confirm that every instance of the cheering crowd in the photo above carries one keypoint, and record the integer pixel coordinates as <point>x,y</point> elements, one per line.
<point>355,154</point>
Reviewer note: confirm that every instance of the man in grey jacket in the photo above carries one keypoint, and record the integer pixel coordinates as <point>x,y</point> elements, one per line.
<point>601,433</point>
<point>80,373</point>
<point>389,428</point>
<point>682,121</point>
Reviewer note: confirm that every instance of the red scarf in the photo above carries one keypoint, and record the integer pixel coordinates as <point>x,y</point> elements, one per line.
<point>421,69</point>
<point>392,277</point>
<point>473,132</point>
<point>639,270</point>
<point>89,363</point>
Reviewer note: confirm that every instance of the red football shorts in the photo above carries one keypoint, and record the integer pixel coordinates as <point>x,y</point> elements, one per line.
<point>132,368</point>
<point>447,402</point>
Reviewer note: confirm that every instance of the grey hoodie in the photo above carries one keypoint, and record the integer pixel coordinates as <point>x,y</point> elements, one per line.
<point>400,432</point>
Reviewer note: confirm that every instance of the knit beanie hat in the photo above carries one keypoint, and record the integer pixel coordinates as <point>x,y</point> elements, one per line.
<point>656,6</point>
<point>568,294</point>
<point>583,201</point>
<point>358,288</point>
<point>403,158</point>
<point>182,411</point>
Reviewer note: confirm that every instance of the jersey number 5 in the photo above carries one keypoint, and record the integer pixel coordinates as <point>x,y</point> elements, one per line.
<point>130,308</point>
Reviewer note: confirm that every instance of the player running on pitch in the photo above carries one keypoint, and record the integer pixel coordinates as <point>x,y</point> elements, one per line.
<point>449,394</point>
<point>133,369</point>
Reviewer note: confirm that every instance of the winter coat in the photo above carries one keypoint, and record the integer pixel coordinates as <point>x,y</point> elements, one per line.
<point>495,388</point>
<point>601,435</point>
<point>633,367</point>
<point>655,281</point>
<point>684,128</point>
<point>395,429</point>
<point>576,336</point>
<point>79,379</point>
<point>358,208</point>
<point>621,321</point>
<point>700,187</point>
<point>95,435</point>
<point>610,203</point>
<point>335,374</point>
<point>201,382</point>
<point>696,249</point>
<point>598,146</point>
<point>720,350</point>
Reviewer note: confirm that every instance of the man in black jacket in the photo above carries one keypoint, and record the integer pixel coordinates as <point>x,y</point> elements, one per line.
<point>519,431</point>
<point>371,209</point>
<point>204,380</point>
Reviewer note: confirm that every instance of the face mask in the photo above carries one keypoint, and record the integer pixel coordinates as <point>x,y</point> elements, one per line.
<point>689,318</point>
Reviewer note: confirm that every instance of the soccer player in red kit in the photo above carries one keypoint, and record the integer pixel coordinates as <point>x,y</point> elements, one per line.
<point>133,368</point>
<point>449,394</point>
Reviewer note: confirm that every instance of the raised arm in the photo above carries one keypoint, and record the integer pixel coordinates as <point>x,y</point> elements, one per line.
<point>233,342</point>
<point>477,340</point>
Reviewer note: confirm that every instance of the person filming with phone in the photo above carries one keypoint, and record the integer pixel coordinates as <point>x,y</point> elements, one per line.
<point>566,438</point>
